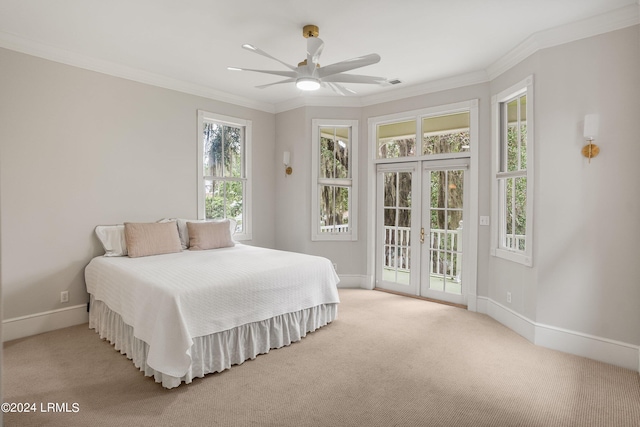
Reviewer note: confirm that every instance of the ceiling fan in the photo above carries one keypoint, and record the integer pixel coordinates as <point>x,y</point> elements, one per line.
<point>309,75</point>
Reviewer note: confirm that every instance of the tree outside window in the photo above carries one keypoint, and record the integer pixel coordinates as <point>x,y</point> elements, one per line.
<point>335,172</point>
<point>223,153</point>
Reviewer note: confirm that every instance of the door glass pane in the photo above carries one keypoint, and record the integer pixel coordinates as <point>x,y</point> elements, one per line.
<point>446,134</point>
<point>438,189</point>
<point>455,187</point>
<point>404,189</point>
<point>445,237</point>
<point>390,189</point>
<point>397,227</point>
<point>390,218</point>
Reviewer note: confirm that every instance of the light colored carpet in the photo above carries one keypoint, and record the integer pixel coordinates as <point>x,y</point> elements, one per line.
<point>386,361</point>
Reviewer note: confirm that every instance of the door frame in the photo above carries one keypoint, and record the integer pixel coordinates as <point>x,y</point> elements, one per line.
<point>472,154</point>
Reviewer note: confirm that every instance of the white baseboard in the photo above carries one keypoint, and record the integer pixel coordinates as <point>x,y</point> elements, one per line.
<point>352,281</point>
<point>597,348</point>
<point>33,324</point>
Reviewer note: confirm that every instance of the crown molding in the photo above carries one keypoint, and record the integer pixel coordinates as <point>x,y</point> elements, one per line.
<point>29,47</point>
<point>589,27</point>
<point>318,101</point>
<point>467,79</point>
<point>394,94</point>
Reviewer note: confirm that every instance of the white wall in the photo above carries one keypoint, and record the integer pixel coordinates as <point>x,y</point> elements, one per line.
<point>586,272</point>
<point>80,148</point>
<point>589,274</point>
<point>293,193</point>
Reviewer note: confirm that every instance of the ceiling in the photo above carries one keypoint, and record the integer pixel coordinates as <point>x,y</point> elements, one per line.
<point>188,44</point>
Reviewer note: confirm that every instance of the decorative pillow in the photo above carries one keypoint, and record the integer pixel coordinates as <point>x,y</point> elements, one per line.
<point>209,235</point>
<point>184,232</point>
<point>151,238</point>
<point>112,239</point>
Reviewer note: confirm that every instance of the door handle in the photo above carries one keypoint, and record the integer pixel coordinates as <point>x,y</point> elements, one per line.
<point>422,235</point>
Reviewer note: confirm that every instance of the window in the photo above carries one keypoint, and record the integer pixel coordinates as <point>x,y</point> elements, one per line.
<point>224,185</point>
<point>447,133</point>
<point>442,134</point>
<point>513,167</point>
<point>334,188</point>
<point>397,139</point>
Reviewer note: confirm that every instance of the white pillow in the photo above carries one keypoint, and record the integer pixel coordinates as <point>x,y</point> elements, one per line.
<point>112,239</point>
<point>184,232</point>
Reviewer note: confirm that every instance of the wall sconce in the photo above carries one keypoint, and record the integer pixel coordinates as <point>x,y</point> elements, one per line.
<point>287,162</point>
<point>590,133</point>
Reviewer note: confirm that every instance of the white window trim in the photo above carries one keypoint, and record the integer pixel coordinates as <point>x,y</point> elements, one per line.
<point>246,202</point>
<point>523,257</point>
<point>316,235</point>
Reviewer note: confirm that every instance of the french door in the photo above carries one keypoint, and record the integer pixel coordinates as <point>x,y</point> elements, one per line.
<point>420,228</point>
<point>398,228</point>
<point>443,213</point>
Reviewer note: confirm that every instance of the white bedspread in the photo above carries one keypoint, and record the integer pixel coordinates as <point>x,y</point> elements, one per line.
<point>171,299</point>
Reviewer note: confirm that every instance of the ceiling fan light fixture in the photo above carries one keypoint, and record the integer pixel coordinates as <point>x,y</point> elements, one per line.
<point>307,83</point>
<point>309,75</point>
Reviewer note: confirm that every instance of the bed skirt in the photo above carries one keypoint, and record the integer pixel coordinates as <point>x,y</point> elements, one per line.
<point>215,352</point>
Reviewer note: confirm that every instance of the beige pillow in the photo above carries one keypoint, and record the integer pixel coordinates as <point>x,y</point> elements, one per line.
<point>151,238</point>
<point>209,235</point>
<point>184,233</point>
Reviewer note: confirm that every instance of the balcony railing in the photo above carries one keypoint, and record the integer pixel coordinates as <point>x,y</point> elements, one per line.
<point>338,228</point>
<point>515,241</point>
<point>445,247</point>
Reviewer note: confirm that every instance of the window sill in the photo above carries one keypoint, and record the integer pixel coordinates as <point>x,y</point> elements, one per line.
<point>520,258</point>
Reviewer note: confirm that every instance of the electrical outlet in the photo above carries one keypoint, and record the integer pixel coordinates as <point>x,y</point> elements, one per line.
<point>64,296</point>
<point>484,220</point>
<point>509,297</point>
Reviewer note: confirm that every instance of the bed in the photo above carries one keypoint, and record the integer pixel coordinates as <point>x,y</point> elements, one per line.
<point>184,314</point>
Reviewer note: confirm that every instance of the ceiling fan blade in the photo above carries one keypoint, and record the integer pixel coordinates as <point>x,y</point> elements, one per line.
<point>277,73</point>
<point>335,89</point>
<point>339,89</point>
<point>259,51</point>
<point>314,48</point>
<point>349,64</point>
<point>276,83</point>
<point>354,78</point>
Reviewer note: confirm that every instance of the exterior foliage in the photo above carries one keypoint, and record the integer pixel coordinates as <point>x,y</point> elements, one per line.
<point>516,188</point>
<point>223,168</point>
<point>334,199</point>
